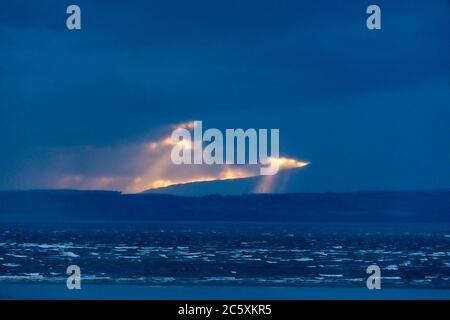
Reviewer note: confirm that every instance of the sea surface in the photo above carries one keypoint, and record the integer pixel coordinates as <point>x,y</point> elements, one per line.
<point>238,255</point>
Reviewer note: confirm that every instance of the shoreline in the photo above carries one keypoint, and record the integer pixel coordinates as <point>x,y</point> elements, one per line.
<point>38,291</point>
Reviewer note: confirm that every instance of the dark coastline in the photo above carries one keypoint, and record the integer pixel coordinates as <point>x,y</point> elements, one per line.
<point>358,207</point>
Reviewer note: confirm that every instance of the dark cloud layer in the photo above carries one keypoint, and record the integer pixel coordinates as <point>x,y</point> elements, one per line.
<point>369,109</point>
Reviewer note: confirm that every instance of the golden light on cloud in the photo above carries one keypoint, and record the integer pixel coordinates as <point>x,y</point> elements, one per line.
<point>235,173</point>
<point>168,142</point>
<point>288,163</point>
<point>161,183</point>
<point>267,184</point>
<point>184,125</point>
<point>153,168</point>
<point>163,173</point>
<point>141,183</point>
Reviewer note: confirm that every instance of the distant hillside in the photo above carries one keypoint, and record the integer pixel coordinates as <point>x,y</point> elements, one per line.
<point>67,205</point>
<point>287,180</point>
<point>204,188</point>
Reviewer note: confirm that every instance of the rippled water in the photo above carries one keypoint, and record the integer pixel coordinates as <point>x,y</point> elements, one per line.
<point>247,254</point>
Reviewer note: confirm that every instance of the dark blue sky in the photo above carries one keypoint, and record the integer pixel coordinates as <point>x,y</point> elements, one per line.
<point>369,109</point>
